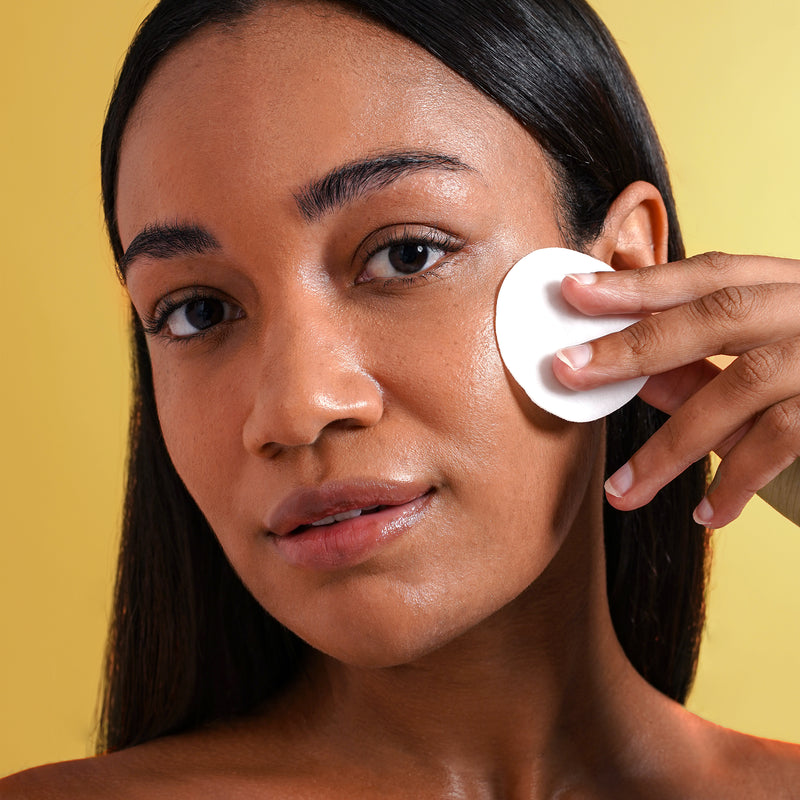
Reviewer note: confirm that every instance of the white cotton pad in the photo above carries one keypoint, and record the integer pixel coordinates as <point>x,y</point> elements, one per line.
<point>533,321</point>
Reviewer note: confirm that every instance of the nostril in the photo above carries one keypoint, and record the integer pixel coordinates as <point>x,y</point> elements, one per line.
<point>312,397</point>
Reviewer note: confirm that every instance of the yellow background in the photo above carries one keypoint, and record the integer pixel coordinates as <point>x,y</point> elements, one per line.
<point>721,77</point>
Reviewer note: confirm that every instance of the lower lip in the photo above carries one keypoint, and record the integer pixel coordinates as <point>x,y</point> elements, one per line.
<point>351,542</point>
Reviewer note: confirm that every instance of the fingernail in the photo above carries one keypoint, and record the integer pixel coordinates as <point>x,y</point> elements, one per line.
<point>576,357</point>
<point>585,279</point>
<point>704,513</point>
<point>621,481</point>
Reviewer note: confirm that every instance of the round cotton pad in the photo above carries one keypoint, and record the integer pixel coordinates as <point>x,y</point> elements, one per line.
<point>533,321</point>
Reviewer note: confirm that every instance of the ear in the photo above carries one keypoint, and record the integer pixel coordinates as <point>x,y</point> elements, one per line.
<point>636,230</point>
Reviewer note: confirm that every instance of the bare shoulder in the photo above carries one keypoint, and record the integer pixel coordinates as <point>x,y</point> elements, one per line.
<point>224,760</point>
<point>760,767</point>
<point>170,767</point>
<point>779,759</point>
<point>692,757</point>
<point>83,778</point>
<point>155,770</point>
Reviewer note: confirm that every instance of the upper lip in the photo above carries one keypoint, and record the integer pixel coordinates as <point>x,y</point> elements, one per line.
<point>311,504</point>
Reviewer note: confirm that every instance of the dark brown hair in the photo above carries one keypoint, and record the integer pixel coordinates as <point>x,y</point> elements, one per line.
<point>188,643</point>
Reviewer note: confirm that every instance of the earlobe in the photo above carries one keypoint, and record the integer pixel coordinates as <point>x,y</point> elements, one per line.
<point>636,229</point>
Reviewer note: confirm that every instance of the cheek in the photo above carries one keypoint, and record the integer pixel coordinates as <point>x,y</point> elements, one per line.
<point>512,480</point>
<point>200,412</point>
<point>463,401</point>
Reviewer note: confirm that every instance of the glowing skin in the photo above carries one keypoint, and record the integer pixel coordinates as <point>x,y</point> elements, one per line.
<point>323,370</point>
<point>324,383</point>
<point>317,217</point>
<point>274,176</point>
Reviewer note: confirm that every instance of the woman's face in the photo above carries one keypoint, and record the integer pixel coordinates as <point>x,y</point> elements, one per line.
<point>318,215</point>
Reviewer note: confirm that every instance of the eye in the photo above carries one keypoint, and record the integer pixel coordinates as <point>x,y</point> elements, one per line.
<point>190,314</point>
<point>406,253</point>
<point>196,316</point>
<point>405,258</point>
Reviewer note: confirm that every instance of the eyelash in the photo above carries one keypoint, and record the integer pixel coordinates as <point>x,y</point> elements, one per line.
<point>429,238</point>
<point>154,324</point>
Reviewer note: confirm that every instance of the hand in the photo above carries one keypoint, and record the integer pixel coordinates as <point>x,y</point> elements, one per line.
<point>748,413</point>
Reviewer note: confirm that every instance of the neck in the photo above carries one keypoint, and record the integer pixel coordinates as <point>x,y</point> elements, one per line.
<point>539,694</point>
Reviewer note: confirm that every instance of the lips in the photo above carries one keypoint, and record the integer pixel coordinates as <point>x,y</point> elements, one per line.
<point>343,524</point>
<point>345,515</point>
<point>337,502</point>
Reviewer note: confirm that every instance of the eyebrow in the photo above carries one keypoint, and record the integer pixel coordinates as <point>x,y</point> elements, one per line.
<point>353,180</point>
<point>168,241</point>
<point>337,188</point>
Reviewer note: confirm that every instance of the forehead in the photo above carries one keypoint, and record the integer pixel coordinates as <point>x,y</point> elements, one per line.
<point>290,92</point>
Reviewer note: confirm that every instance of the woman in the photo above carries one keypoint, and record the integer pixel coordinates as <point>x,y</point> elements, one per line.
<point>312,214</point>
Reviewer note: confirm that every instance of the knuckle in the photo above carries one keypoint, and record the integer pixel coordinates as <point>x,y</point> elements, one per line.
<point>673,439</point>
<point>641,338</point>
<point>755,368</point>
<point>676,440</point>
<point>729,305</point>
<point>715,260</point>
<point>647,277</point>
<point>783,420</point>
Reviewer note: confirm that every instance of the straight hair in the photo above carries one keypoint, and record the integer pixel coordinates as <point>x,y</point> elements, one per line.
<point>188,643</point>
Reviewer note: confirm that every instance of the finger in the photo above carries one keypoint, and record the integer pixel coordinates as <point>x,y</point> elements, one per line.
<point>670,390</point>
<point>663,286</point>
<point>770,447</point>
<point>729,321</point>
<point>711,418</point>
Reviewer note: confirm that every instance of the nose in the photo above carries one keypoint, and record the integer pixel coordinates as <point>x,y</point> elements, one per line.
<point>310,379</point>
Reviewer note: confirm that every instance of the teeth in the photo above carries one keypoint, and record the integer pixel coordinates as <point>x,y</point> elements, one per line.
<point>356,512</point>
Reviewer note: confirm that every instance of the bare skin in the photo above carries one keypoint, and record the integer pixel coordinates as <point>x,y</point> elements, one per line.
<point>472,655</point>
<point>748,413</point>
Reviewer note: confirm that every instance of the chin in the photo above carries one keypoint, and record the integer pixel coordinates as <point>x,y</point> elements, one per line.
<point>384,652</point>
<point>385,634</point>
